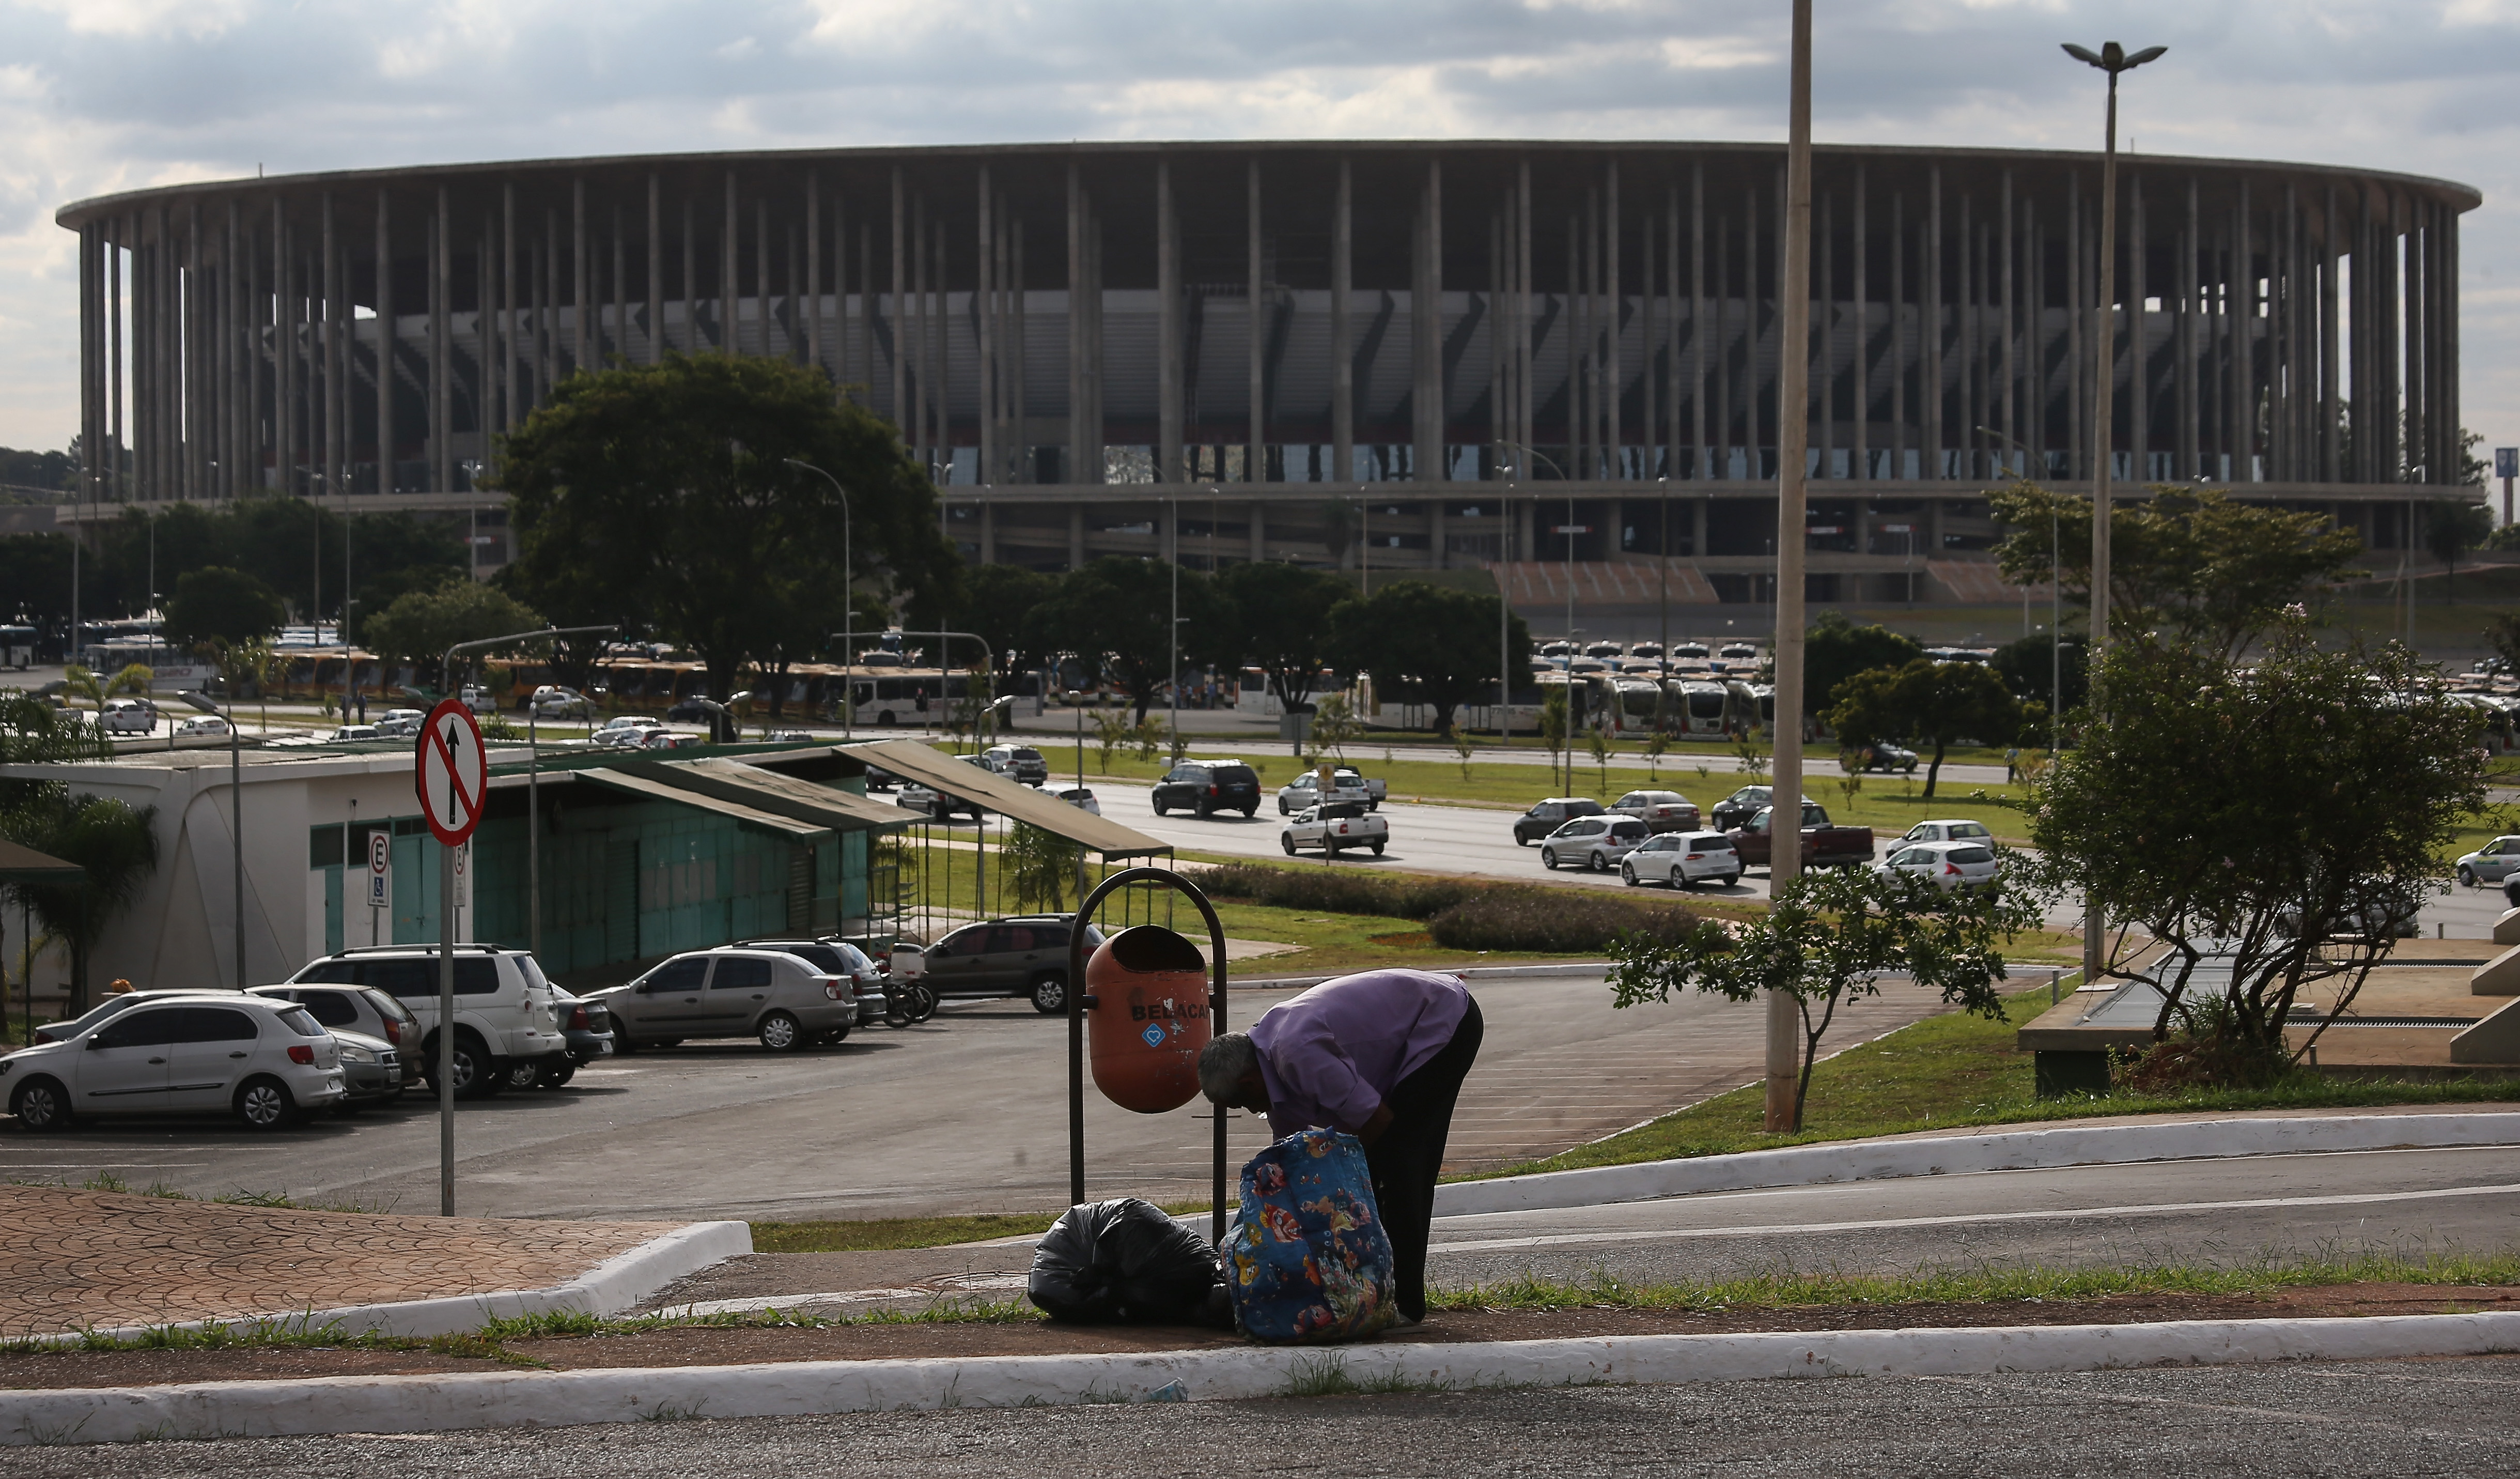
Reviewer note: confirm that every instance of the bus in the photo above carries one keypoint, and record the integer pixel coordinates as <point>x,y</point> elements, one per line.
<point>17,647</point>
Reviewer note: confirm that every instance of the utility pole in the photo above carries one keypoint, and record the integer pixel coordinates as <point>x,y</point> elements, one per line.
<point>2113,59</point>
<point>1793,434</point>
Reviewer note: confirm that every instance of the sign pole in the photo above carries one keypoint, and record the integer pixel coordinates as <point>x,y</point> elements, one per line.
<point>452,776</point>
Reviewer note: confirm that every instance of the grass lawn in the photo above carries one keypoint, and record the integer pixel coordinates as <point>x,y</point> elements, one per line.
<point>1953,1070</point>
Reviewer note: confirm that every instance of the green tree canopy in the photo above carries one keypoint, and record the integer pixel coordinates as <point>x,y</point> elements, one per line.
<point>1117,612</point>
<point>116,844</point>
<point>1429,644</point>
<point>1277,620</point>
<point>661,498</point>
<point>419,627</point>
<point>1836,649</point>
<point>2033,668</point>
<point>2450,527</point>
<point>2188,564</point>
<point>2290,814</point>
<point>219,607</point>
<point>997,604</point>
<point>1828,938</point>
<point>1925,700</point>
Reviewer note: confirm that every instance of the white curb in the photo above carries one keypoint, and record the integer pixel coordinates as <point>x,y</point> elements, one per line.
<point>1947,1155</point>
<point>614,1286</point>
<point>555,1398</point>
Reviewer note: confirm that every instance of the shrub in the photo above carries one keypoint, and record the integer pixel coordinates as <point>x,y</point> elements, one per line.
<point>1554,922</point>
<point>1336,891</point>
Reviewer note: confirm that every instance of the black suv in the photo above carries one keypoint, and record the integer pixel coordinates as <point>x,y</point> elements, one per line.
<point>1209,786</point>
<point>1548,815</point>
<point>1021,956</point>
<point>1736,810</point>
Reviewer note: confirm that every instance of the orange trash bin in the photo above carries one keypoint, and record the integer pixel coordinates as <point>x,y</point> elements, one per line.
<point>1145,1011</point>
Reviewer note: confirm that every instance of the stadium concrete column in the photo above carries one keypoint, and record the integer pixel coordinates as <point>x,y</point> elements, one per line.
<point>1074,471</point>
<point>1342,349</point>
<point>1614,384</point>
<point>511,362</point>
<point>1523,398</point>
<point>1016,343</point>
<point>585,347</point>
<point>441,280</point>
<point>334,381</point>
<point>813,269</point>
<point>1254,461</point>
<point>760,275</point>
<point>1932,391</point>
<point>1168,315</point>
<point>1426,458</point>
<point>984,332</point>
<point>1258,526</point>
<point>892,313</point>
<point>655,270</point>
<point>387,338</point>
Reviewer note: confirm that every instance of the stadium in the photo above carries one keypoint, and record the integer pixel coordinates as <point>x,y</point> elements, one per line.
<point>1555,361</point>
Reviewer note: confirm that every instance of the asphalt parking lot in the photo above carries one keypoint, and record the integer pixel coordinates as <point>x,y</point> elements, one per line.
<point>967,1113</point>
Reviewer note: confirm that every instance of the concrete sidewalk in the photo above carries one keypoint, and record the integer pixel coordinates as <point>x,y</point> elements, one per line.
<point>75,1260</point>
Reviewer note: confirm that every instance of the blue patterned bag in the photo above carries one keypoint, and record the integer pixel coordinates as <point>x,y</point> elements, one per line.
<point>1307,1258</point>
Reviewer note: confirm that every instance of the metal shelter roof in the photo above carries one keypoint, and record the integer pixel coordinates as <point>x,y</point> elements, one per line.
<point>914,760</point>
<point>652,789</point>
<point>19,865</point>
<point>789,796</point>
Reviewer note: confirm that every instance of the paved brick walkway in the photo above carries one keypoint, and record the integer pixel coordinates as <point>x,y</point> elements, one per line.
<point>72,1259</point>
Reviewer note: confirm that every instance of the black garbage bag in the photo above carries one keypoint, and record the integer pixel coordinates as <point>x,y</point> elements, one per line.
<point>1126,1262</point>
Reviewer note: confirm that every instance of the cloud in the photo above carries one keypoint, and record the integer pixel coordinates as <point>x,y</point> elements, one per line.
<point>105,95</point>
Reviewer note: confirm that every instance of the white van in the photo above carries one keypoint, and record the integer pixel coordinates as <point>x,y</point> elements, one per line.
<point>128,717</point>
<point>504,1009</point>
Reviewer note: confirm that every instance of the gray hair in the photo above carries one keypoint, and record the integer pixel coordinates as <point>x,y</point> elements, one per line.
<point>1224,1063</point>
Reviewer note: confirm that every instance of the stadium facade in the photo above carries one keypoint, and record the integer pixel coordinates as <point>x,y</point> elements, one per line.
<point>1396,354</point>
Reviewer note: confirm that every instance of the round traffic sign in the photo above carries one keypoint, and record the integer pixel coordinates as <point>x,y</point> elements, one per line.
<point>453,774</point>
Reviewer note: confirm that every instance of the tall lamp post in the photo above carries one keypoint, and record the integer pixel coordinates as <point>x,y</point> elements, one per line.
<point>236,814</point>
<point>849,599</point>
<point>1568,529</point>
<point>2112,59</point>
<point>1793,436</point>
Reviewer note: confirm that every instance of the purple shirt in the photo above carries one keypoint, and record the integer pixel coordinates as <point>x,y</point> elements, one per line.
<point>1329,1056</point>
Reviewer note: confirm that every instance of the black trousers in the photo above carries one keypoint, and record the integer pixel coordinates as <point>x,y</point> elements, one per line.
<point>1406,1160</point>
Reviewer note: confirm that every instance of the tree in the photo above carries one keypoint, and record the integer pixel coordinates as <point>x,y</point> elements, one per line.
<point>2285,818</point>
<point>1835,649</point>
<point>2451,529</point>
<point>2189,563</point>
<point>2033,668</point>
<point>1277,620</point>
<point>1940,701</point>
<point>1431,644</point>
<point>997,604</point>
<point>2503,634</point>
<point>219,607</point>
<point>661,498</point>
<point>1117,612</point>
<point>419,627</point>
<point>114,843</point>
<point>1040,865</point>
<point>1827,939</point>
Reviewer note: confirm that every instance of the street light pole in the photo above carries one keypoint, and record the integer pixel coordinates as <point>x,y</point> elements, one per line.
<point>1793,436</point>
<point>2112,59</point>
<point>236,814</point>
<point>849,600</point>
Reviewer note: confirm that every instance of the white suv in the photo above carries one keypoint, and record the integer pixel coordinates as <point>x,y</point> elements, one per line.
<point>505,1011</point>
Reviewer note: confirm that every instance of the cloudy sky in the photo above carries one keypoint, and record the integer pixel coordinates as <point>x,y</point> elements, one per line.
<point>106,95</point>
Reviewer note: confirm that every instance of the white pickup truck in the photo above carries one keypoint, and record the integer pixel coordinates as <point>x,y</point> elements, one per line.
<point>1333,827</point>
<point>1305,791</point>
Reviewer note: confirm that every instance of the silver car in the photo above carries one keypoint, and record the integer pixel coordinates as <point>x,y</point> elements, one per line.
<point>1945,864</point>
<point>1594,842</point>
<point>781,1000</point>
<point>1680,860</point>
<point>2492,863</point>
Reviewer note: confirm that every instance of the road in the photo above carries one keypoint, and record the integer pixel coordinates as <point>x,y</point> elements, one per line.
<point>2279,1422</point>
<point>967,1113</point>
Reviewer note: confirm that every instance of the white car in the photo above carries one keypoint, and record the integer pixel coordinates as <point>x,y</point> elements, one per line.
<point>350,732</point>
<point>401,723</point>
<point>504,1009</point>
<point>551,701</point>
<point>207,724</point>
<point>1946,864</point>
<point>1334,828</point>
<point>1682,859</point>
<point>266,1062</point>
<point>1595,842</point>
<point>1345,785</point>
<point>627,724</point>
<point>128,717</point>
<point>1962,830</point>
<point>1079,798</point>
<point>1659,810</point>
<point>2492,863</point>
